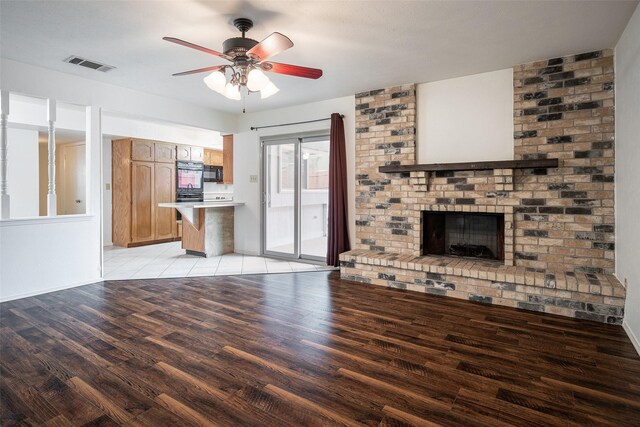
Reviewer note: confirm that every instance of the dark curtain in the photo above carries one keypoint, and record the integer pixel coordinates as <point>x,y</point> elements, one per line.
<point>338,229</point>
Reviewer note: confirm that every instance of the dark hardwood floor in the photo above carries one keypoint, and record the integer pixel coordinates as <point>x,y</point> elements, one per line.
<point>303,349</point>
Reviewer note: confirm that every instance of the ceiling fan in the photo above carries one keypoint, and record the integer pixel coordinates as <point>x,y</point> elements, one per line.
<point>249,60</point>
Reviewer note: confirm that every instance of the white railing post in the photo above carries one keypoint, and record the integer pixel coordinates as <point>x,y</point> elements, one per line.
<point>51,123</point>
<point>4,185</point>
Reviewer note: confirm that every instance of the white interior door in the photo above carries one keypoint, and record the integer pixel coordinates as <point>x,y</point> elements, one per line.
<point>72,178</point>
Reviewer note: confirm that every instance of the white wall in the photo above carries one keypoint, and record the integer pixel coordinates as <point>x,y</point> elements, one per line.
<point>107,192</point>
<point>246,160</point>
<point>68,250</point>
<point>130,127</point>
<point>466,119</point>
<point>627,57</point>
<point>22,172</point>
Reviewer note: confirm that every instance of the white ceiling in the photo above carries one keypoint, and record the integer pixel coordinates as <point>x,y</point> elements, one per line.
<point>360,45</point>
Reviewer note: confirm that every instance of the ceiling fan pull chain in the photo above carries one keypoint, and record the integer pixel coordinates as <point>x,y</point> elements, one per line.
<point>244,102</point>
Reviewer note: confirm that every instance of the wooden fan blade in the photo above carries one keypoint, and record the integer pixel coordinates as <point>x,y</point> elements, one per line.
<point>196,47</point>
<point>292,70</point>
<point>272,45</point>
<point>199,70</point>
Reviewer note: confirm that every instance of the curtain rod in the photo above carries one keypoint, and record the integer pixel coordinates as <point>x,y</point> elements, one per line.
<point>294,123</point>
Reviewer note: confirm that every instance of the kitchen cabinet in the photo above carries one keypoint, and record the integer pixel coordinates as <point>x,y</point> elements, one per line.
<point>142,201</point>
<point>165,153</point>
<point>227,161</point>
<point>197,154</point>
<point>138,187</point>
<point>184,152</point>
<point>213,157</point>
<point>142,150</point>
<point>165,192</point>
<point>190,154</point>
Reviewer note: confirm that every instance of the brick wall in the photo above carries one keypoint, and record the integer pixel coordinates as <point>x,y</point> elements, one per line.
<point>385,134</point>
<point>560,219</point>
<point>564,108</point>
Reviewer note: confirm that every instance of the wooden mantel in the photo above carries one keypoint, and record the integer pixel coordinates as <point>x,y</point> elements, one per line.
<point>468,166</point>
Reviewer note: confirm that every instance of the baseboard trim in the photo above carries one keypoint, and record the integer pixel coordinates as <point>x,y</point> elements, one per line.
<point>49,290</point>
<point>243,252</point>
<point>634,340</point>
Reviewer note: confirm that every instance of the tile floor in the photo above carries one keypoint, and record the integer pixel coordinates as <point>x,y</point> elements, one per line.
<point>169,260</point>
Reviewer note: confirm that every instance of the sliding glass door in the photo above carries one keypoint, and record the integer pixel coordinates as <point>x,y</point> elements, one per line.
<point>295,197</point>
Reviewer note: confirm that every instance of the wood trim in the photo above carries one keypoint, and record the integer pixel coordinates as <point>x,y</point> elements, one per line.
<point>152,242</point>
<point>227,159</point>
<point>468,166</point>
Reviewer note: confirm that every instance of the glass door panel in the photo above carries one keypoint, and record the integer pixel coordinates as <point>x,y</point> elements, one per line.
<point>314,198</point>
<point>280,199</point>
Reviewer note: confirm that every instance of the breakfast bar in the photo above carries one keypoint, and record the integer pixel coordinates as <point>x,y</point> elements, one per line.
<point>207,227</point>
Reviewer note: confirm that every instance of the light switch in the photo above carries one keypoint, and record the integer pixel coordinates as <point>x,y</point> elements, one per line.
<point>107,186</point>
<point>253,178</point>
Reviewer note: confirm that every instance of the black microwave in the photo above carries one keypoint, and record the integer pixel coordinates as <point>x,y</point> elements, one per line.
<point>213,173</point>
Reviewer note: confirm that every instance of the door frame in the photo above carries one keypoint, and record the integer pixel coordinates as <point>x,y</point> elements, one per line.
<point>296,139</point>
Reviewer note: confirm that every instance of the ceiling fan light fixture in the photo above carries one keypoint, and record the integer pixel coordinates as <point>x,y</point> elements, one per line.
<point>232,91</point>
<point>248,63</point>
<point>216,81</point>
<point>269,89</point>
<point>257,80</point>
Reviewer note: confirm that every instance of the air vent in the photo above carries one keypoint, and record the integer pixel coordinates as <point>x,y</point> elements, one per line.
<point>76,60</point>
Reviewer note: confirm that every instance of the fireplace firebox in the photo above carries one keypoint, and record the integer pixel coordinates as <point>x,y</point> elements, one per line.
<point>463,234</point>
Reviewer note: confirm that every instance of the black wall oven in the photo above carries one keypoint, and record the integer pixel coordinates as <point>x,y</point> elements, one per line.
<point>189,182</point>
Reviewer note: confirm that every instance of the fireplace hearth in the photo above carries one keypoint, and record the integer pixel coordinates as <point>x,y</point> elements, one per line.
<point>463,234</point>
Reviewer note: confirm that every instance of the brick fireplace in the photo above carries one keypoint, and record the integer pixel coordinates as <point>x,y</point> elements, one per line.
<point>556,247</point>
<point>463,234</point>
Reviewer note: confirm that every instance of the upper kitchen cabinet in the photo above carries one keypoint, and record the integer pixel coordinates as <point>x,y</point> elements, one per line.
<point>213,157</point>
<point>165,153</point>
<point>197,154</point>
<point>184,152</point>
<point>142,150</point>
<point>189,153</point>
<point>227,161</point>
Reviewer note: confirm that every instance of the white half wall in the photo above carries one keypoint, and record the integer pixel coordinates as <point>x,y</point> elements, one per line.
<point>39,255</point>
<point>627,57</point>
<point>246,160</point>
<point>466,119</point>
